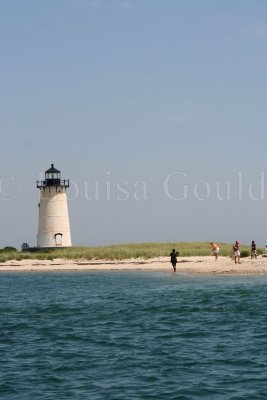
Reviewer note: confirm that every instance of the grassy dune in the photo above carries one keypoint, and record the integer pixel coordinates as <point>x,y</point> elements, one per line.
<point>123,251</point>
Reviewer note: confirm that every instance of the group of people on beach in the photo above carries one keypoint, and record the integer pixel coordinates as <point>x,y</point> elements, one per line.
<point>236,251</point>
<point>215,251</point>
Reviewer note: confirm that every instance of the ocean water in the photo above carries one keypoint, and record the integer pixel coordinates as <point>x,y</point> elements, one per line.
<point>132,335</point>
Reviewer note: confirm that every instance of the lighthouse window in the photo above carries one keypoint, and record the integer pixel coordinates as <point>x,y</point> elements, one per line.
<point>53,175</point>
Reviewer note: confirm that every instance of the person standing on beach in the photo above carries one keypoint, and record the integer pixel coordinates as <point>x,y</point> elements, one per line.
<point>174,254</point>
<point>253,250</point>
<point>215,250</point>
<point>236,252</point>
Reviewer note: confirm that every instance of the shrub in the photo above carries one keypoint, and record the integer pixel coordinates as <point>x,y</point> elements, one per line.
<point>8,249</point>
<point>244,253</point>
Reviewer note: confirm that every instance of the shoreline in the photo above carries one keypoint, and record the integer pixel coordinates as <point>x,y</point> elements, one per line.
<point>202,265</point>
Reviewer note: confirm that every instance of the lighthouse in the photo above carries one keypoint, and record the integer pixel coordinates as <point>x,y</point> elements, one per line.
<point>53,226</point>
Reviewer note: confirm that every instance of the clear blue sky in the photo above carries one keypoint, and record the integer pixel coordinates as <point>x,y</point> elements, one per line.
<point>135,90</point>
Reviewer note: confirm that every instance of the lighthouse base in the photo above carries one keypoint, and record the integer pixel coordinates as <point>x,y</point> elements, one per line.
<point>53,240</point>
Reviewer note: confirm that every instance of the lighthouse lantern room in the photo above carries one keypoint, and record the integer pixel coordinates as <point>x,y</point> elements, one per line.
<point>53,226</point>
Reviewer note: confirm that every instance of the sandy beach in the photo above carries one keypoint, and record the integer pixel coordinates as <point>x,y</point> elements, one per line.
<point>186,265</point>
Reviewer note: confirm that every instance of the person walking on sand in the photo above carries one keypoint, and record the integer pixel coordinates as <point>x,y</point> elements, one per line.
<point>236,252</point>
<point>253,250</point>
<point>174,254</point>
<point>215,250</point>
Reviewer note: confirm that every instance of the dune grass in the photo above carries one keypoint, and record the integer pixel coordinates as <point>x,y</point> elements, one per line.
<point>123,251</point>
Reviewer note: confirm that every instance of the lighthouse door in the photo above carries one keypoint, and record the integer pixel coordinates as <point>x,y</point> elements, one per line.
<point>58,239</point>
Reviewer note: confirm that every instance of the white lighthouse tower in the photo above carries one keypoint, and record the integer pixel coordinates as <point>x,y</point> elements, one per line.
<point>53,227</point>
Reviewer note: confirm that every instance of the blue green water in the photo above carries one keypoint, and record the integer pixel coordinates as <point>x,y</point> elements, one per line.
<point>132,335</point>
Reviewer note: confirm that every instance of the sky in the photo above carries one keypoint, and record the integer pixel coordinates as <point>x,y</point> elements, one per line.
<point>154,109</point>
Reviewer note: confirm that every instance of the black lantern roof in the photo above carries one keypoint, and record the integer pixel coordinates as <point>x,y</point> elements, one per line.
<point>52,170</point>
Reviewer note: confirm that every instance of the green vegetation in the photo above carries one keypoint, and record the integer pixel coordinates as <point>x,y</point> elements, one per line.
<point>8,249</point>
<point>8,253</point>
<point>244,253</point>
<point>121,251</point>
